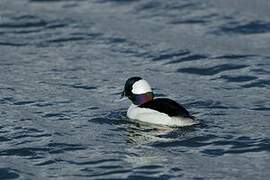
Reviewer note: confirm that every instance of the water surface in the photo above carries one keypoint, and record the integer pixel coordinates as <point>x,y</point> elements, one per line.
<point>64,62</point>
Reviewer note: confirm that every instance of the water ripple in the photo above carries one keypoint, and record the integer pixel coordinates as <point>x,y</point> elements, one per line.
<point>239,145</point>
<point>44,163</point>
<point>24,21</point>
<point>234,56</point>
<point>23,102</point>
<point>63,62</point>
<point>9,173</point>
<point>261,83</point>
<point>237,78</point>
<point>117,1</point>
<point>3,139</point>
<point>192,57</point>
<point>253,27</point>
<point>211,70</point>
<point>60,40</point>
<point>56,148</point>
<point>26,151</point>
<point>51,1</point>
<point>218,146</point>
<point>12,44</point>
<point>97,162</point>
<point>192,142</point>
<point>167,55</point>
<point>208,104</point>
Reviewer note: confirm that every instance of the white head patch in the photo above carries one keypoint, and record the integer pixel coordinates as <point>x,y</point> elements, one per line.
<point>141,87</point>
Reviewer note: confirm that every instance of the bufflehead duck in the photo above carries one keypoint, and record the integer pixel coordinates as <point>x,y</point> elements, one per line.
<point>146,108</point>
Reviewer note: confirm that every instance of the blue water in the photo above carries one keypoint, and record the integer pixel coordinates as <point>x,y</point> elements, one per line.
<point>64,62</point>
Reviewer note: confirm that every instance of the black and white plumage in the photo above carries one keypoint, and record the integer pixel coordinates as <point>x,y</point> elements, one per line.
<point>146,108</point>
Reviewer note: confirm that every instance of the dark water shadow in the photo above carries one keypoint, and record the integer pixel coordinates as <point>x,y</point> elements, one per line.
<point>261,83</point>
<point>52,1</point>
<point>117,1</point>
<point>253,27</point>
<point>237,79</point>
<point>210,71</point>
<point>9,173</point>
<point>235,56</point>
<point>169,55</point>
<point>12,44</point>
<point>23,21</point>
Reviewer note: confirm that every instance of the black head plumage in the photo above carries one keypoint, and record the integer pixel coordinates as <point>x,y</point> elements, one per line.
<point>128,86</point>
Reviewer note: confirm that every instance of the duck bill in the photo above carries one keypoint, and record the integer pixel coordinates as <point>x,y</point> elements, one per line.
<point>122,95</point>
<point>122,98</point>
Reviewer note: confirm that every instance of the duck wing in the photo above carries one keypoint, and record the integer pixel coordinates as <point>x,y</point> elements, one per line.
<point>167,106</point>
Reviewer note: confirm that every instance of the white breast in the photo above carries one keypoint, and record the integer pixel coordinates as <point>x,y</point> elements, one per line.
<point>155,117</point>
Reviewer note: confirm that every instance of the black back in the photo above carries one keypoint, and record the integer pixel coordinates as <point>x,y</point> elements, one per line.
<point>166,106</point>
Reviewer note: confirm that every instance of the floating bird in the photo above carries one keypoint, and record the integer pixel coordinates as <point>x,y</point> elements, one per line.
<point>146,108</point>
